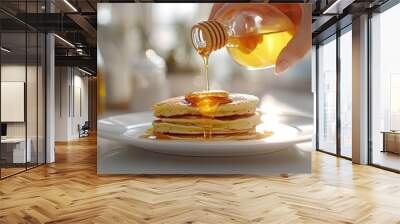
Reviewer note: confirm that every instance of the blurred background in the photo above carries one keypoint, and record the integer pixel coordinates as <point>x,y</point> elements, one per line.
<point>145,55</point>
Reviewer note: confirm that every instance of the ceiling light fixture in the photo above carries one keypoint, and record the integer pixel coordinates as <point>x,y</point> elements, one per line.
<point>84,71</point>
<point>70,5</point>
<point>64,40</point>
<point>337,7</point>
<point>5,50</point>
<point>79,51</point>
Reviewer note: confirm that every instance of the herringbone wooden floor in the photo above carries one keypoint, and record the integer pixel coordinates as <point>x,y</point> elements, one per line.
<point>69,191</point>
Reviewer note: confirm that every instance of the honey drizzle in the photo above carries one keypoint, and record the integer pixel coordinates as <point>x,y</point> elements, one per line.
<point>205,61</point>
<point>207,131</point>
<point>208,103</point>
<point>205,54</point>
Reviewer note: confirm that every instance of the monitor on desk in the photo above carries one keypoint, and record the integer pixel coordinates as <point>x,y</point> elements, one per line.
<point>3,130</point>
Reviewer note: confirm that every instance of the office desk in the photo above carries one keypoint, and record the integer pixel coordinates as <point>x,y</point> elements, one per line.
<point>13,150</point>
<point>391,141</point>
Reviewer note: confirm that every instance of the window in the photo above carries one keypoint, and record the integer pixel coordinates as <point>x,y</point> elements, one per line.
<point>346,92</point>
<point>385,89</point>
<point>327,96</point>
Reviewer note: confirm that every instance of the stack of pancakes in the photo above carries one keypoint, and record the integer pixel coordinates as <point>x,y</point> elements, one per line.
<point>233,117</point>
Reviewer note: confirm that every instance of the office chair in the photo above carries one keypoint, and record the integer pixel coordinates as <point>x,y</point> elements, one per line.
<point>84,130</point>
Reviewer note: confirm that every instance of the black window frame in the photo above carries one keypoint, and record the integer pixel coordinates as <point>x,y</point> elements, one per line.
<point>334,36</point>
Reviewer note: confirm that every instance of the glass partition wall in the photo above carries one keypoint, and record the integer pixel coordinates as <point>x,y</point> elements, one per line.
<point>334,94</point>
<point>22,107</point>
<point>13,89</point>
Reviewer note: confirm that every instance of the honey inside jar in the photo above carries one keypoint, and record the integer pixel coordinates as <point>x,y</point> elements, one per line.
<point>258,50</point>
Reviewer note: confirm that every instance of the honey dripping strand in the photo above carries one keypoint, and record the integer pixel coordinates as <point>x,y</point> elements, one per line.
<point>205,61</point>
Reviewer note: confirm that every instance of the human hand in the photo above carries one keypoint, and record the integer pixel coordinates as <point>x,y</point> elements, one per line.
<point>300,44</point>
<point>299,14</point>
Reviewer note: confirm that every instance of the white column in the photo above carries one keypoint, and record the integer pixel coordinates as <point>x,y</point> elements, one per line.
<point>50,92</point>
<point>50,99</point>
<point>314,91</point>
<point>63,102</point>
<point>360,90</point>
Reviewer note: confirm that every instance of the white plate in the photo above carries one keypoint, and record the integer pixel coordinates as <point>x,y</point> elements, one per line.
<point>128,128</point>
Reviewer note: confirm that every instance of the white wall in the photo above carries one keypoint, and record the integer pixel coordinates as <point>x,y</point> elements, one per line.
<point>12,73</point>
<point>62,81</point>
<point>70,83</point>
<point>79,117</point>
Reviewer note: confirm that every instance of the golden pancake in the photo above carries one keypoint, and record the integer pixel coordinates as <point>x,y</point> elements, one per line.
<point>190,124</point>
<point>250,134</point>
<point>241,104</point>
